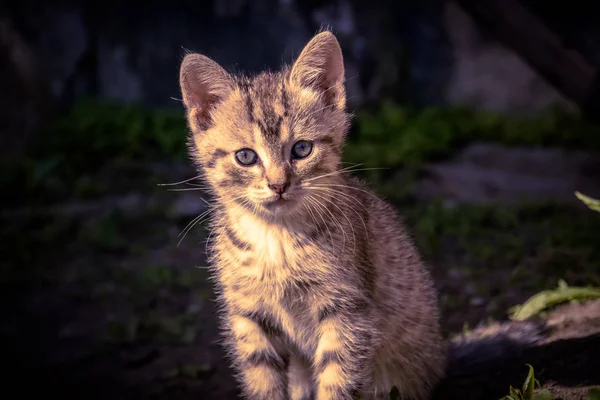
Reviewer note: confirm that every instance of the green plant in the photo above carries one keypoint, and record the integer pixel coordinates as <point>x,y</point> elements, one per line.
<point>549,298</point>
<point>527,392</point>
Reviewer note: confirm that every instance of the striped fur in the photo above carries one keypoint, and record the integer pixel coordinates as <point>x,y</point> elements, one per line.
<point>322,294</point>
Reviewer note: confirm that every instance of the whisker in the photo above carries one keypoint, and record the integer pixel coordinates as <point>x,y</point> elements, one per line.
<point>205,201</point>
<point>343,171</point>
<point>190,225</point>
<point>334,172</point>
<point>203,216</point>
<point>345,198</point>
<point>187,189</point>
<point>317,210</point>
<point>193,221</point>
<point>349,187</point>
<point>335,221</point>
<point>338,192</point>
<point>196,185</point>
<point>310,212</point>
<point>340,224</point>
<point>181,182</point>
<point>199,219</point>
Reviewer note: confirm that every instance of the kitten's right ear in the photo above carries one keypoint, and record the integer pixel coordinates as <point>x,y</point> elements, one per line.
<point>320,66</point>
<point>204,83</point>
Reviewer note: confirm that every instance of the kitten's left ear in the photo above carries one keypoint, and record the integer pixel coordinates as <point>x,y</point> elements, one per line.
<point>320,66</point>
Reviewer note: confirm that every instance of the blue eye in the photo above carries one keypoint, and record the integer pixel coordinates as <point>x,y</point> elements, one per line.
<point>302,149</point>
<point>246,157</point>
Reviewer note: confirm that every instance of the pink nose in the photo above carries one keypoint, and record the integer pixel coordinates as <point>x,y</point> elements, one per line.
<point>279,188</point>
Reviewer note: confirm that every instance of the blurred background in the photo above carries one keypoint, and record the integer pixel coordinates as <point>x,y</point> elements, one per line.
<point>483,113</point>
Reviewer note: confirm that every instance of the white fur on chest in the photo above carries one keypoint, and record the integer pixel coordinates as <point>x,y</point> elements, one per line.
<point>272,248</point>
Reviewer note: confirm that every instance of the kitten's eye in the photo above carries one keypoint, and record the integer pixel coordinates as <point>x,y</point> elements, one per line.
<point>302,149</point>
<point>246,157</point>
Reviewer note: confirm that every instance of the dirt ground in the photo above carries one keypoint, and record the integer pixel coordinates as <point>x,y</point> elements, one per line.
<point>102,303</point>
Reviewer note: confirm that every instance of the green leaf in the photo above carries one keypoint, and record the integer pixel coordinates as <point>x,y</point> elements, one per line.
<point>593,204</point>
<point>548,298</point>
<point>529,384</point>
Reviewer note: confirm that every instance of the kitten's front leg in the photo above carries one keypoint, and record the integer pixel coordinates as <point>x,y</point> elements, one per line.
<point>260,364</point>
<point>344,350</point>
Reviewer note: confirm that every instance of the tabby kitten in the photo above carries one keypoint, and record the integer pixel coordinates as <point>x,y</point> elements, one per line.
<point>323,294</point>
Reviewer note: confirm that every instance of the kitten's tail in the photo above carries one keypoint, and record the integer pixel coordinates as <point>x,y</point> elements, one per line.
<point>484,362</point>
<point>485,347</point>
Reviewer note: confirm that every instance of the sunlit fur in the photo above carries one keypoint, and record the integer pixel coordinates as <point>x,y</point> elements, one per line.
<point>322,295</point>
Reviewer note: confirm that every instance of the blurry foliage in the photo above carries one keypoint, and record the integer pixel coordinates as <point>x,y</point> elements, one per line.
<point>397,136</point>
<point>496,234</point>
<point>94,136</point>
<point>96,132</point>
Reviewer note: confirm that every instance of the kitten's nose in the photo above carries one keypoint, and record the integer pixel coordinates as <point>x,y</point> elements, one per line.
<point>279,188</point>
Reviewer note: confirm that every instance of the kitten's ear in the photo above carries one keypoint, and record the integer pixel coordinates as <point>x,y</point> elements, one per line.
<point>320,66</point>
<point>203,84</point>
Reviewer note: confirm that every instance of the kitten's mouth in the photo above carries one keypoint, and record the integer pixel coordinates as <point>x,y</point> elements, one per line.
<point>277,203</point>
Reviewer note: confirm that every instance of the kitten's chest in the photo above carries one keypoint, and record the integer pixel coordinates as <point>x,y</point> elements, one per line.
<point>277,273</point>
<point>278,256</point>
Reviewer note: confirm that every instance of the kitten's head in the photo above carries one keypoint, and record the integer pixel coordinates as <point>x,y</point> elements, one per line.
<point>261,141</point>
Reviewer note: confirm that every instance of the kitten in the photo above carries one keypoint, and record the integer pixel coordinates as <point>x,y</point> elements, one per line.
<point>323,294</point>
